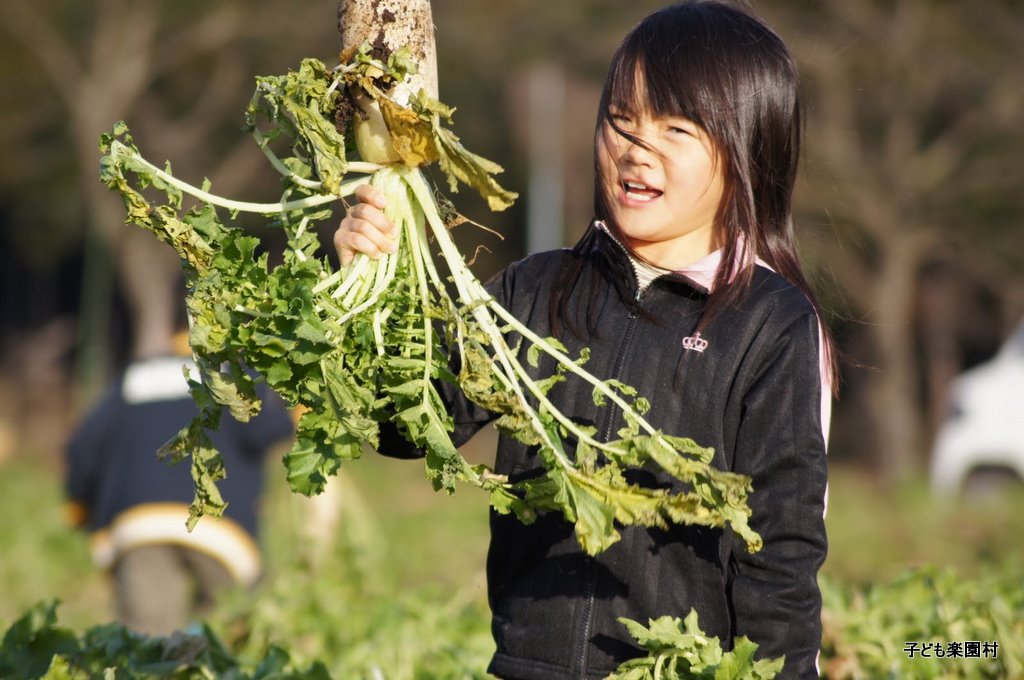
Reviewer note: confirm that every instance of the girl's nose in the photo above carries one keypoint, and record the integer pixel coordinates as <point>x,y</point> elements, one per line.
<point>635,153</point>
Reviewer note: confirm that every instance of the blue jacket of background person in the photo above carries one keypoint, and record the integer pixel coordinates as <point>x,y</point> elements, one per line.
<point>126,496</point>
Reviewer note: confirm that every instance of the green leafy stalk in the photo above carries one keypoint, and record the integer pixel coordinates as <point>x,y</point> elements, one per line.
<point>37,646</point>
<point>371,343</point>
<point>589,497</point>
<point>680,650</point>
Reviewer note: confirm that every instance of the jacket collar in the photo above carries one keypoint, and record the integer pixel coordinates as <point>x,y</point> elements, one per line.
<point>700,274</point>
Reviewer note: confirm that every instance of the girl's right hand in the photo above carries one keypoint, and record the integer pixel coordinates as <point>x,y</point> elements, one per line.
<point>365,228</point>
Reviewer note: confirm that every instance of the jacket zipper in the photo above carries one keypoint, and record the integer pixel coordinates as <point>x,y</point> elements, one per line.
<point>588,617</point>
<point>588,608</point>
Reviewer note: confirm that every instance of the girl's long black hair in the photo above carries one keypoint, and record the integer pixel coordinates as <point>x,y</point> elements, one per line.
<point>717,64</point>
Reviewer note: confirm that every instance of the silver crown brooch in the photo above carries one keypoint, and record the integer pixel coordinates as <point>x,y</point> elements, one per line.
<point>695,342</point>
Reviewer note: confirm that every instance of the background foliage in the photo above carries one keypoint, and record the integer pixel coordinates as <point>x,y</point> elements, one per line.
<point>396,589</point>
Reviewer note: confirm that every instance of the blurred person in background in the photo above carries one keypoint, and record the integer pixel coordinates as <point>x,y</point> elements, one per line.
<point>135,506</point>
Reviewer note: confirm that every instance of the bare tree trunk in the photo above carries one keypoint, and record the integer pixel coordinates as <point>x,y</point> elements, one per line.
<point>149,270</point>
<point>938,304</point>
<point>894,401</point>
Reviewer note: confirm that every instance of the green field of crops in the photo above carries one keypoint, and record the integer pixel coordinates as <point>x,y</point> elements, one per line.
<point>396,589</point>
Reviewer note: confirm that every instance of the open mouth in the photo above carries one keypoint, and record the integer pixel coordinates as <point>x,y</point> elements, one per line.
<point>637,191</point>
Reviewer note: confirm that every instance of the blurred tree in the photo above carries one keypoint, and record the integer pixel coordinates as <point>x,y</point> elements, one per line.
<point>913,155</point>
<point>180,74</point>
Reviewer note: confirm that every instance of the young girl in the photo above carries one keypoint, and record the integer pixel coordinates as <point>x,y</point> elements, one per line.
<point>686,286</point>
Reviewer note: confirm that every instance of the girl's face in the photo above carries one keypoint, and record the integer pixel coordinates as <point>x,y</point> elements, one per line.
<point>664,199</point>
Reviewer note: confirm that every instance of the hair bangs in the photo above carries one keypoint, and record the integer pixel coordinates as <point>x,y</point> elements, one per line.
<point>655,74</point>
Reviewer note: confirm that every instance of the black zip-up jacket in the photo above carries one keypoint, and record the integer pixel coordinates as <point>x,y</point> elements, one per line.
<point>753,393</point>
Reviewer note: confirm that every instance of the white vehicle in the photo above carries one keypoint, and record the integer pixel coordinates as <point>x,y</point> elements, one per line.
<point>980,446</point>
